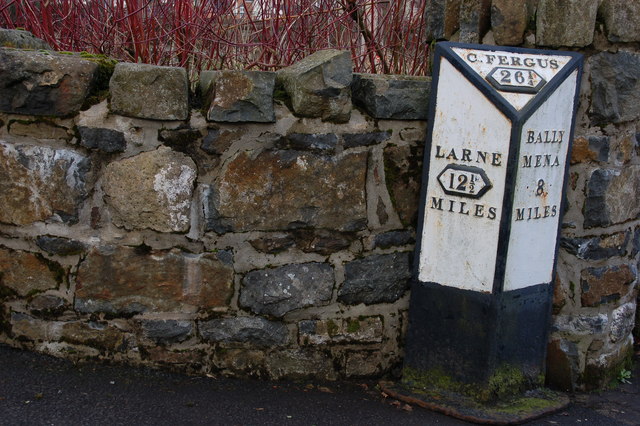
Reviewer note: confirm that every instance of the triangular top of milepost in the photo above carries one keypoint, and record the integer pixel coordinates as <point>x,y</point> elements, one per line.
<point>514,79</point>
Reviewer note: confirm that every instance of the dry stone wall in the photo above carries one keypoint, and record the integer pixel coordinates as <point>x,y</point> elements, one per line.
<point>265,225</point>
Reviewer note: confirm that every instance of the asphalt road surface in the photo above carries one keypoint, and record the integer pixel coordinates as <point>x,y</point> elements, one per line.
<point>37,389</point>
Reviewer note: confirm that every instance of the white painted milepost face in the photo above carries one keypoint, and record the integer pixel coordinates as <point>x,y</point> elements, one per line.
<point>462,216</point>
<point>471,141</point>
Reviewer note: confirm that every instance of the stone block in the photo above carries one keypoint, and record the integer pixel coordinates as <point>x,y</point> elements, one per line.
<point>621,20</point>
<point>402,167</point>
<point>566,22</point>
<point>167,331</point>
<point>580,325</point>
<point>273,244</point>
<point>322,241</point>
<point>95,334</point>
<point>340,330</point>
<point>563,365</point>
<point>175,358</point>
<point>27,274</point>
<point>320,85</point>
<point>38,129</point>
<point>60,246</point>
<point>354,140</point>
<point>255,331</point>
<point>397,97</point>
<point>47,305</point>
<point>379,278</point>
<point>240,96</point>
<point>393,239</point>
<point>149,91</point>
<point>299,364</point>
<point>635,243</point>
<point>217,141</point>
<point>34,329</point>
<point>615,87</point>
<point>39,183</point>
<point>622,322</point>
<point>475,17</point>
<point>281,190</point>
<point>363,364</point>
<point>140,280</point>
<point>179,139</point>
<point>105,140</point>
<point>612,196</point>
<point>281,290</point>
<point>509,20</point>
<point>43,83</point>
<point>151,190</point>
<point>442,19</point>
<point>322,143</point>
<point>21,39</point>
<point>596,248</point>
<point>592,148</point>
<point>606,284</point>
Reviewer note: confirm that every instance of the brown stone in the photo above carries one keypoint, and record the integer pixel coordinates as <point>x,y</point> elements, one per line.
<point>27,273</point>
<point>559,296</point>
<point>39,183</point>
<point>151,190</point>
<point>38,130</point>
<point>165,356</point>
<point>298,364</point>
<point>562,365</point>
<point>474,20</point>
<point>363,364</point>
<point>157,281</point>
<point>566,22</point>
<point>340,330</point>
<point>279,190</point>
<point>509,21</point>
<point>442,18</point>
<point>621,20</point>
<point>93,334</point>
<point>402,166</point>
<point>606,284</point>
<point>240,361</point>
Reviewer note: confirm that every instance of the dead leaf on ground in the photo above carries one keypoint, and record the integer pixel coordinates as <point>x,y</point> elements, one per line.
<point>324,389</point>
<point>407,407</point>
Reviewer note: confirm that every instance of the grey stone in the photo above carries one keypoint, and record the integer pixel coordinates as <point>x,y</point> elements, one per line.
<point>283,190</point>
<point>167,331</point>
<point>240,96</point>
<point>509,21</point>
<point>622,321</point>
<point>393,239</point>
<point>60,246</point>
<point>149,91</point>
<point>353,140</point>
<point>324,143</point>
<point>296,364</point>
<point>253,330</point>
<point>615,87</point>
<point>281,290</point>
<point>612,196</point>
<point>42,83</point>
<point>566,22</point>
<point>636,243</point>
<point>217,141</point>
<point>402,170</point>
<point>442,19</point>
<point>105,140</point>
<point>596,248</point>
<point>581,325</point>
<point>39,183</point>
<point>396,97</point>
<point>179,139</point>
<point>151,190</point>
<point>47,304</point>
<point>319,85</point>
<point>377,278</point>
<point>474,20</point>
<point>621,20</point>
<point>21,39</point>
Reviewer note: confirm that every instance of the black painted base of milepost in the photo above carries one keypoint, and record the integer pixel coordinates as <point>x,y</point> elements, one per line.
<point>465,337</point>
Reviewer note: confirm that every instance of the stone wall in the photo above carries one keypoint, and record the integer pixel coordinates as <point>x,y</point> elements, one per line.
<point>264,225</point>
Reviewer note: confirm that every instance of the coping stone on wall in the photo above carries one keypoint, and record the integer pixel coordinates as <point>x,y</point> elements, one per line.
<point>509,21</point>
<point>566,22</point>
<point>320,85</point>
<point>44,83</point>
<point>621,20</point>
<point>396,97</point>
<point>149,91</point>
<point>239,96</point>
<point>21,39</point>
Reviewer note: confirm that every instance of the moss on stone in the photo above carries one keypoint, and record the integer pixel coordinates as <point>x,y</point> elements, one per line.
<point>100,90</point>
<point>332,328</point>
<point>353,326</point>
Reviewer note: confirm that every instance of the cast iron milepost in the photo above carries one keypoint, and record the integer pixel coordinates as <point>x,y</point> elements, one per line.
<point>500,127</point>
